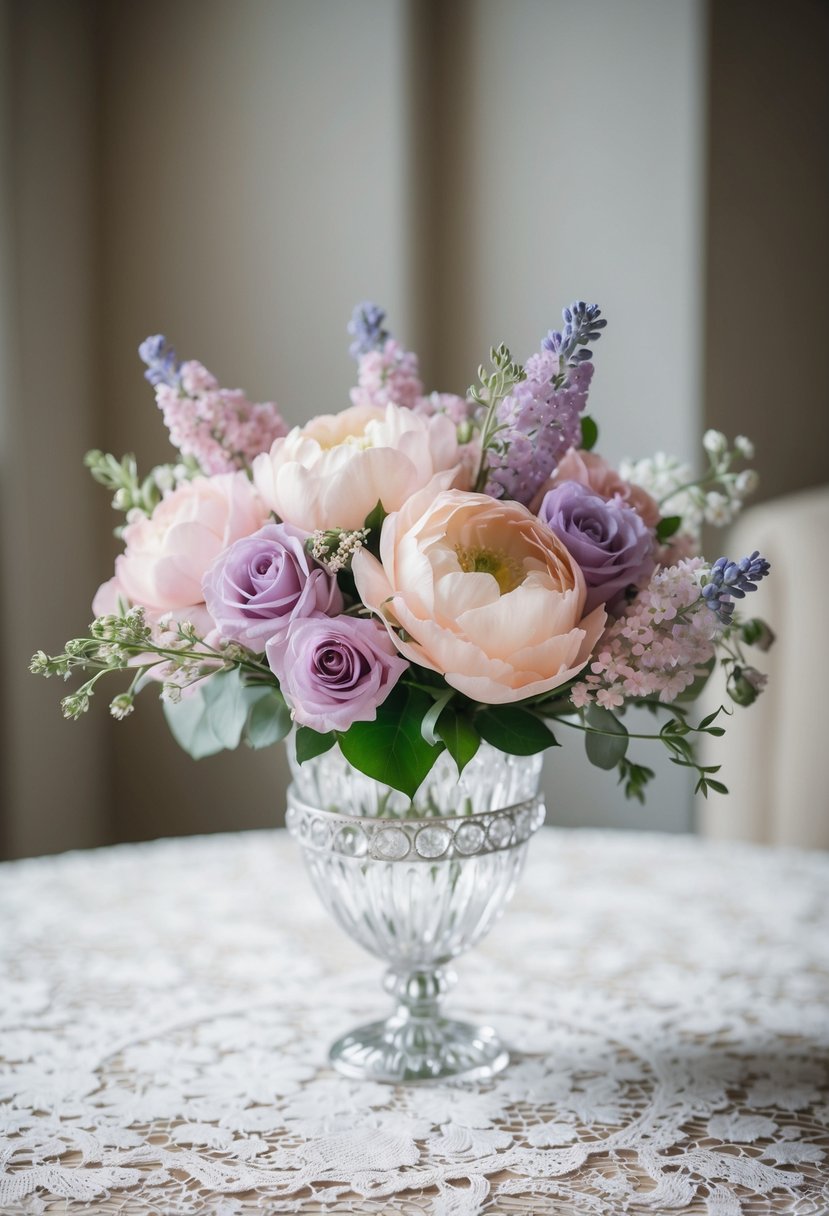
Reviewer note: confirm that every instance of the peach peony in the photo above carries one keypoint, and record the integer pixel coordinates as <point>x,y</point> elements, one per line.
<point>483,592</point>
<point>167,554</point>
<point>333,472</point>
<point>591,470</point>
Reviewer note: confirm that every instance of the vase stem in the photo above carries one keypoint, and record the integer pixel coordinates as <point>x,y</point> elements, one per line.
<point>419,993</point>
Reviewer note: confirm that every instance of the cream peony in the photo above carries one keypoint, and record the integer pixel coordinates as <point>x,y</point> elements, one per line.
<point>333,472</point>
<point>167,553</point>
<point>483,593</point>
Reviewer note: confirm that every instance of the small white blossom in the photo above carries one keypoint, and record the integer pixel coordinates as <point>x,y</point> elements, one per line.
<point>745,447</point>
<point>719,509</point>
<point>714,442</point>
<point>746,482</point>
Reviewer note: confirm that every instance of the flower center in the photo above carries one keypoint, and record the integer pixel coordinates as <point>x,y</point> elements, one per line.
<point>507,571</point>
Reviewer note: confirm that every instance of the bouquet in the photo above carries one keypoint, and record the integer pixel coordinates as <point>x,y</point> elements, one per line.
<point>419,572</point>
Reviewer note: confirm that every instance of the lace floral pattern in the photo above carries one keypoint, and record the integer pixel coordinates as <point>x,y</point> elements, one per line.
<point>165,1011</point>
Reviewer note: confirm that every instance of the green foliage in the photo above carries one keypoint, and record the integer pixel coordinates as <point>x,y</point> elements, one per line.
<point>374,523</point>
<point>668,526</point>
<point>635,778</point>
<point>493,388</point>
<point>589,433</point>
<point>514,730</point>
<point>219,711</point>
<point>131,493</point>
<point>674,734</point>
<point>391,749</point>
<point>269,719</point>
<point>310,743</point>
<point>457,731</point>
<point>606,741</point>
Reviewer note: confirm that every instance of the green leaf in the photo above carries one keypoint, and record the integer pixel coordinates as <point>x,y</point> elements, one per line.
<point>310,743</point>
<point>375,517</point>
<point>210,716</point>
<point>374,523</point>
<point>220,710</point>
<point>460,736</point>
<point>269,718</point>
<point>514,730</point>
<point>589,433</point>
<point>391,749</point>
<point>668,526</point>
<point>607,749</point>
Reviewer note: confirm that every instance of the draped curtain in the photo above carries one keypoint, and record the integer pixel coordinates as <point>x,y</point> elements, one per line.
<point>237,176</point>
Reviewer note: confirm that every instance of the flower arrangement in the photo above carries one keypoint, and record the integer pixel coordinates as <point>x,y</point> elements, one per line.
<point>419,571</point>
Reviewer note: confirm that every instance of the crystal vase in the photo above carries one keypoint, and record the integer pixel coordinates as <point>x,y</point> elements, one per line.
<point>416,883</point>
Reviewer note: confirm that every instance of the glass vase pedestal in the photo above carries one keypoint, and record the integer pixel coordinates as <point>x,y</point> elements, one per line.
<point>416,883</point>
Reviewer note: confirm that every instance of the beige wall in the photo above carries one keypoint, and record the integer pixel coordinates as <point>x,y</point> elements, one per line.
<point>767,303</point>
<point>54,779</point>
<point>238,176</point>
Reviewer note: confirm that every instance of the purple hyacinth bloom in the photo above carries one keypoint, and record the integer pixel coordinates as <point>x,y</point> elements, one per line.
<point>583,323</point>
<point>366,327</point>
<point>730,580</point>
<point>607,538</point>
<point>540,423</point>
<point>162,363</point>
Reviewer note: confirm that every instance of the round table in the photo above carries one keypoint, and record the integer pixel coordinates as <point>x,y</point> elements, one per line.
<point>165,1011</point>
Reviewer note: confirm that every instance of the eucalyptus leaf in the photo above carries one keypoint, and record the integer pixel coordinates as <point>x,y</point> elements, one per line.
<point>190,726</point>
<point>608,748</point>
<point>210,715</point>
<point>269,718</point>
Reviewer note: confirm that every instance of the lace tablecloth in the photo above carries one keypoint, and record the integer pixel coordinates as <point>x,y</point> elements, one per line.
<point>165,1011</point>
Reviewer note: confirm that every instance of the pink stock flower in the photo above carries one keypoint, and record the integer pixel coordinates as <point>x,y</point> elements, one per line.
<point>332,472</point>
<point>659,645</point>
<point>482,592</point>
<point>388,375</point>
<point>218,427</point>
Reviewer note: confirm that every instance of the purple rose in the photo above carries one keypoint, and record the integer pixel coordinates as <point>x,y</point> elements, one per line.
<point>256,587</point>
<point>607,538</point>
<point>335,671</point>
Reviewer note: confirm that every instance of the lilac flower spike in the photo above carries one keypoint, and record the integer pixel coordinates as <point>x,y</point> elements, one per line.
<point>161,360</point>
<point>583,323</point>
<point>733,580</point>
<point>366,327</point>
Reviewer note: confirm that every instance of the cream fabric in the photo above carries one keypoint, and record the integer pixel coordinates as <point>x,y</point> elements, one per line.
<point>775,755</point>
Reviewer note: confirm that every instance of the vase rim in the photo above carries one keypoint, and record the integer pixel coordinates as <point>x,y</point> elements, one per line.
<point>531,803</point>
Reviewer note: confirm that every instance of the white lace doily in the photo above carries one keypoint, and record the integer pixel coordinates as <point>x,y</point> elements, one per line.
<point>165,1011</point>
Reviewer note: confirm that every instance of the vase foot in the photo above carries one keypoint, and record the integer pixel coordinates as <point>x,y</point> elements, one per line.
<point>404,1049</point>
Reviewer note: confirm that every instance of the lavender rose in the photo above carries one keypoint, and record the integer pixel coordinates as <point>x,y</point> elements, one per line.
<point>608,539</point>
<point>256,587</point>
<point>335,671</point>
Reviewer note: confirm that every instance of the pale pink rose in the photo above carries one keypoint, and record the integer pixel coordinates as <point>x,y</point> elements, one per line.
<point>332,472</point>
<point>167,554</point>
<point>592,470</point>
<point>483,592</point>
